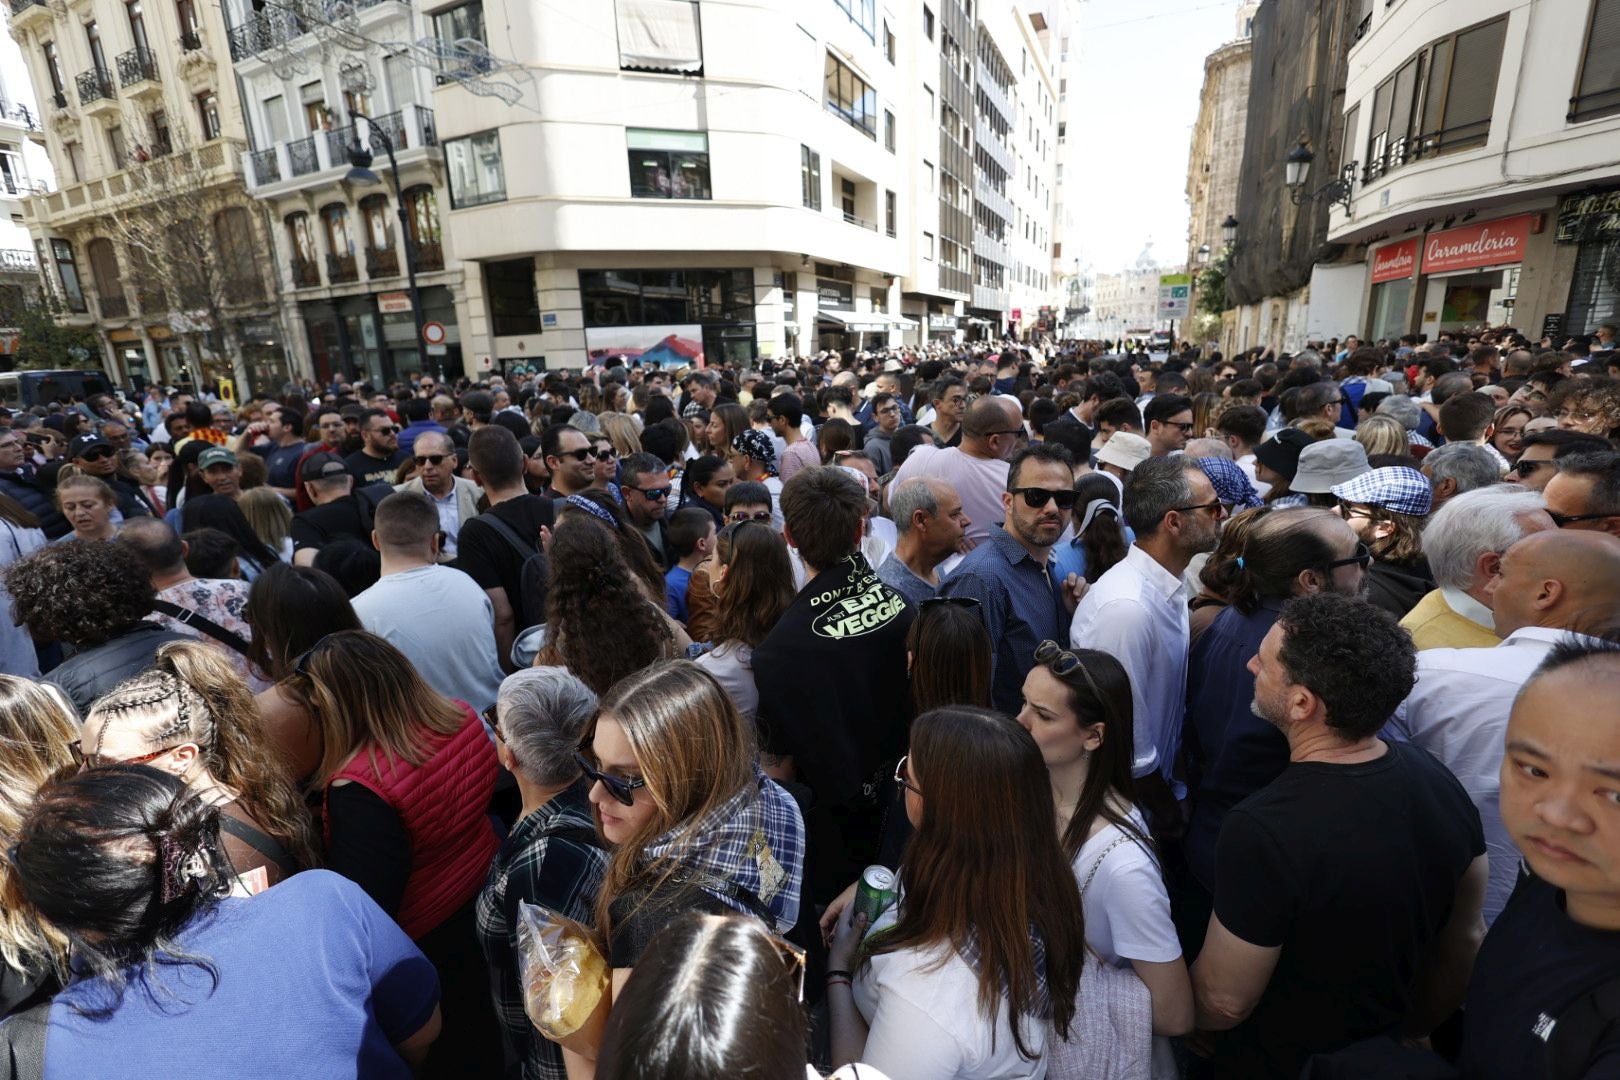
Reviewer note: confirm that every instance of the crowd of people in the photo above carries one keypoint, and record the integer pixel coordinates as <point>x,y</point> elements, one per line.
<point>985,711</point>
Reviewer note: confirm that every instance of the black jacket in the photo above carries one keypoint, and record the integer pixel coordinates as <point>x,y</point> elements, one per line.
<point>1397,587</point>
<point>92,672</point>
<point>33,494</point>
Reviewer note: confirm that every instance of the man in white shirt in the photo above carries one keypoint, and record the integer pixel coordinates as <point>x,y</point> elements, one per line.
<point>992,432</point>
<point>1550,586</point>
<point>1137,611</point>
<point>1464,542</point>
<point>455,497</point>
<point>437,616</point>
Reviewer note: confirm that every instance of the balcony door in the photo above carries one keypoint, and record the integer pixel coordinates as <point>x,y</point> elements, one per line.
<point>98,57</point>
<point>137,26</point>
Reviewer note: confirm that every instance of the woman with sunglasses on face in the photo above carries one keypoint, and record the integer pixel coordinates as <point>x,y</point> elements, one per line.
<point>173,975</point>
<point>968,973</point>
<point>752,579</point>
<point>694,825</point>
<point>192,716</point>
<point>1077,706</point>
<point>37,724</point>
<point>405,780</point>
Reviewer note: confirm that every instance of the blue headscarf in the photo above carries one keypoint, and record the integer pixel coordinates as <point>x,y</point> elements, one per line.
<point>1232,484</point>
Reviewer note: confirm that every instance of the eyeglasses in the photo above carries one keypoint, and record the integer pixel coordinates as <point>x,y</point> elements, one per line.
<point>1524,468</point>
<point>96,761</point>
<point>622,790</point>
<point>795,957</point>
<point>1361,558</point>
<point>1566,520</point>
<point>902,776</point>
<point>741,516</point>
<point>586,454</point>
<point>951,601</point>
<point>1217,508</point>
<point>650,494</point>
<point>431,459</point>
<point>1035,498</point>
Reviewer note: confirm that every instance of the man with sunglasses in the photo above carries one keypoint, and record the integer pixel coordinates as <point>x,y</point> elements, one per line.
<point>1538,462</point>
<point>380,458</point>
<point>1585,493</point>
<point>95,456</point>
<point>571,459</point>
<point>1169,421</point>
<point>455,497</point>
<point>645,485</point>
<point>1012,574</point>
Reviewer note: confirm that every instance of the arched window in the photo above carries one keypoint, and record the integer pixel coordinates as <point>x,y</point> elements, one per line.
<point>382,260</point>
<point>301,247</point>
<point>340,262</point>
<point>109,282</point>
<point>239,270</point>
<point>422,212</point>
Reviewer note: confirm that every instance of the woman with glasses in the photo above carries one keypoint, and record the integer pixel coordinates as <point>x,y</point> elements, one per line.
<point>291,608</point>
<point>37,724</point>
<point>193,717</point>
<point>176,973</point>
<point>1593,409</point>
<point>970,971</point>
<point>693,823</point>
<point>87,503</point>
<point>752,579</point>
<point>552,856</point>
<point>1077,706</point>
<point>405,781</point>
<point>1387,508</point>
<point>600,622</point>
<point>1509,424</point>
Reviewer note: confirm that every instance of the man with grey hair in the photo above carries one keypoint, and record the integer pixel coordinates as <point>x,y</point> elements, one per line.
<point>1137,611</point>
<point>929,522</point>
<point>1464,543</point>
<point>551,857</point>
<point>1408,412</point>
<point>1457,468</point>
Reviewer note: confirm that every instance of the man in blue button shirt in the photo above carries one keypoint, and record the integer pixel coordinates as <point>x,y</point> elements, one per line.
<point>1011,575</point>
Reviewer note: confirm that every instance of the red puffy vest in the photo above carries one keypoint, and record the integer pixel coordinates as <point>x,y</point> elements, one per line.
<point>443,804</point>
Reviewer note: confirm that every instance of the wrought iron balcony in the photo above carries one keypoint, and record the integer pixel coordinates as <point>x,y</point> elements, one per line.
<point>23,8</point>
<point>424,120</point>
<point>429,256</point>
<point>266,166</point>
<point>341,268</point>
<point>381,264</point>
<point>113,307</point>
<point>190,41</point>
<point>305,274</point>
<point>301,156</point>
<point>137,65</point>
<point>96,85</point>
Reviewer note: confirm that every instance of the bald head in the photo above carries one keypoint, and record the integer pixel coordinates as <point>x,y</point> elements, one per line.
<point>991,426</point>
<point>1560,579</point>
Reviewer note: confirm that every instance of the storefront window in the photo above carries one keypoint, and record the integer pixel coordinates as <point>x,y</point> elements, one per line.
<point>513,308</point>
<point>1392,309</point>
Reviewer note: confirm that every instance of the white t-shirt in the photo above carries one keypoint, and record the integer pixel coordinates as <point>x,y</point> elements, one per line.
<point>1127,909</point>
<point>924,1022</point>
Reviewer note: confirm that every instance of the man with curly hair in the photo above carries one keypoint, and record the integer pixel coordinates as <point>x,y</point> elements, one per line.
<point>94,596</point>
<point>1348,890</point>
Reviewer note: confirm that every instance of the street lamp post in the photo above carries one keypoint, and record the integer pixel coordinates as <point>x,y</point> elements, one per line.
<point>360,173</point>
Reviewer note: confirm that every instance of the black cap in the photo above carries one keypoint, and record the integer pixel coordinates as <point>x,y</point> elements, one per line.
<point>83,444</point>
<point>322,466</point>
<point>1280,453</point>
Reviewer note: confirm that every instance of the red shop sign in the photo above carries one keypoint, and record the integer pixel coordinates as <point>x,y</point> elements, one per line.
<point>1395,261</point>
<point>1494,243</point>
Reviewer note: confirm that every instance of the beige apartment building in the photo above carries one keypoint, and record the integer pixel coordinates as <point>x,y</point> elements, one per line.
<point>150,236</point>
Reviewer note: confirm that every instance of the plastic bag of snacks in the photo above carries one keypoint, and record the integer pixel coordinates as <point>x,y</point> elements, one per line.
<point>562,974</point>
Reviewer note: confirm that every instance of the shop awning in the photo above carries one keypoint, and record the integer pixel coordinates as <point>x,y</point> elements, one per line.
<point>859,321</point>
<point>660,35</point>
<point>902,322</point>
<point>975,321</point>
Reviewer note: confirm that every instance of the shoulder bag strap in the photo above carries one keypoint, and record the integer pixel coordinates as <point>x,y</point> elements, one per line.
<point>1098,864</point>
<point>579,834</point>
<point>509,534</point>
<point>260,841</point>
<point>713,883</point>
<point>201,624</point>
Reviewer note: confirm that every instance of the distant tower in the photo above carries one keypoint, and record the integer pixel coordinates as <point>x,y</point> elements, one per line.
<point>1245,18</point>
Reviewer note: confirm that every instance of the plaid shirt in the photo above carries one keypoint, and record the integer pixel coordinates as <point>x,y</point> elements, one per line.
<point>557,872</point>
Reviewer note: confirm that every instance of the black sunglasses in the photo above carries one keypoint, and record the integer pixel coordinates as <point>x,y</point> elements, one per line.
<point>606,453</point>
<point>1035,498</point>
<point>1362,558</point>
<point>1186,429</point>
<point>741,516</point>
<point>1524,468</point>
<point>431,459</point>
<point>97,455</point>
<point>587,454</point>
<point>652,494</point>
<point>1565,520</point>
<point>622,790</point>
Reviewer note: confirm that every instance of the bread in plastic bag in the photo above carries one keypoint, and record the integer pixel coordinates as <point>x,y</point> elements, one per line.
<point>562,974</point>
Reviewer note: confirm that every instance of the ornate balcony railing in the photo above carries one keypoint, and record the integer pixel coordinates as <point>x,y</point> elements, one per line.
<point>301,157</point>
<point>266,166</point>
<point>95,85</point>
<point>340,268</point>
<point>137,65</point>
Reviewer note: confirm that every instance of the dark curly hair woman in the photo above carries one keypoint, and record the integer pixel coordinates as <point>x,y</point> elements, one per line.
<point>93,596</point>
<point>600,624</point>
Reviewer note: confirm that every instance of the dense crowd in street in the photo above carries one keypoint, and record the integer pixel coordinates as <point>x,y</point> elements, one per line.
<point>998,710</point>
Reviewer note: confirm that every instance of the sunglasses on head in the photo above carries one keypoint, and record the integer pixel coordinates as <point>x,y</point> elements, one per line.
<point>431,459</point>
<point>622,790</point>
<point>952,601</point>
<point>96,761</point>
<point>1035,498</point>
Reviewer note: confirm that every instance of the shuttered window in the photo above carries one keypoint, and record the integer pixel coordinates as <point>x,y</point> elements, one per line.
<point>1597,87</point>
<point>1594,288</point>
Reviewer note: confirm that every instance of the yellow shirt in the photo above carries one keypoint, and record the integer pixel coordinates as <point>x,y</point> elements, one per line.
<point>1434,625</point>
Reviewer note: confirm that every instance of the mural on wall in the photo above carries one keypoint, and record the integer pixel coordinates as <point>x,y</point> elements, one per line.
<point>652,346</point>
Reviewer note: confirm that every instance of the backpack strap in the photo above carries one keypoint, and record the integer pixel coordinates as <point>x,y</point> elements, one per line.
<point>1582,1027</point>
<point>260,841</point>
<point>579,834</point>
<point>509,534</point>
<point>202,624</point>
<point>714,884</point>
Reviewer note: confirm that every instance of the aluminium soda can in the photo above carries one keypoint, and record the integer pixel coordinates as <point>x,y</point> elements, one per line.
<point>875,893</point>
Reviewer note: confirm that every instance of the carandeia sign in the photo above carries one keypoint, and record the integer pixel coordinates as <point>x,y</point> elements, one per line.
<point>1473,247</point>
<point>1396,261</point>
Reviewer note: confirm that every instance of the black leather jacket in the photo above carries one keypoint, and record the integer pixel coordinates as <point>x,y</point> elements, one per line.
<point>92,672</point>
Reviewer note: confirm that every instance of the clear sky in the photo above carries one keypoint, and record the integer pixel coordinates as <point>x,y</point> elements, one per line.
<point>1140,71</point>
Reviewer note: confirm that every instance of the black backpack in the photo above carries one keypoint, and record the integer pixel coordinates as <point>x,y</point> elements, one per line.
<point>534,577</point>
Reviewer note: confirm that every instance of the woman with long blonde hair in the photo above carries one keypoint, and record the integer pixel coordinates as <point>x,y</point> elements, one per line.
<point>271,519</point>
<point>1381,434</point>
<point>37,724</point>
<point>694,824</point>
<point>191,715</point>
<point>405,778</point>
<point>621,430</point>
